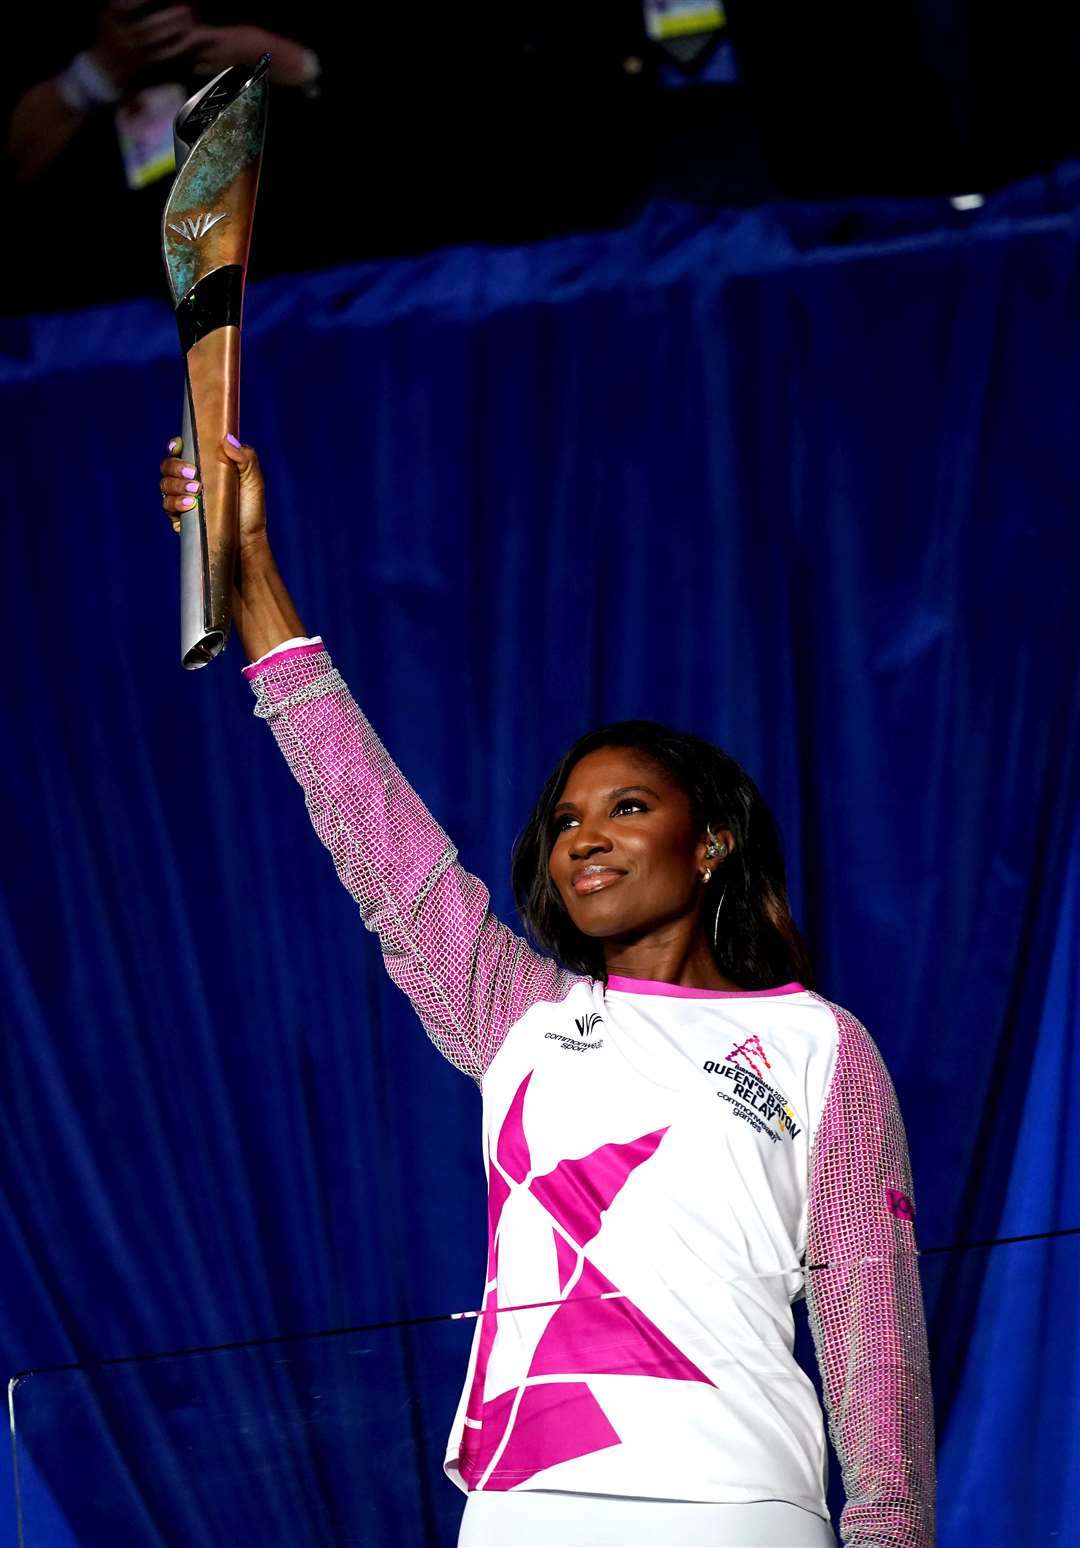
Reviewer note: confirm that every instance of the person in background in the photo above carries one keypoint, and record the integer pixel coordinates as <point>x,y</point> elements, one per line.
<point>89,127</point>
<point>135,44</point>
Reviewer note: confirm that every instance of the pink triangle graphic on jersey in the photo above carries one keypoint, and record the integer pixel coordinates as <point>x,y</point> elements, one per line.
<point>556,1421</point>
<point>578,1191</point>
<point>607,1338</point>
<point>512,1148</point>
<point>532,1427</point>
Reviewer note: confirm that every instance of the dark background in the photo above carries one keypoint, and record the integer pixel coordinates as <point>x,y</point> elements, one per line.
<point>500,124</point>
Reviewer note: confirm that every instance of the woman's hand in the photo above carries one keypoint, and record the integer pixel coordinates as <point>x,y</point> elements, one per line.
<point>180,486</point>
<point>263,610</point>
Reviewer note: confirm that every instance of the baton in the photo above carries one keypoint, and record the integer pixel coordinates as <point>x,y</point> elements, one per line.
<point>205,236</point>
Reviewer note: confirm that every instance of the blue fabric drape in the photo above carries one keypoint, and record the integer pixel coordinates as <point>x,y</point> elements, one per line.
<point>804,481</point>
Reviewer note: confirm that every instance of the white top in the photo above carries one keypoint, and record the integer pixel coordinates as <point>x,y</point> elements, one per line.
<point>649,1146</point>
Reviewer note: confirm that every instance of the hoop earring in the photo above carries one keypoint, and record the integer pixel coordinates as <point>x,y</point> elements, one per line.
<point>716,922</point>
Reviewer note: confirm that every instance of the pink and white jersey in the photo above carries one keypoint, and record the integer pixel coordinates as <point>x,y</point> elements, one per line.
<point>668,1170</point>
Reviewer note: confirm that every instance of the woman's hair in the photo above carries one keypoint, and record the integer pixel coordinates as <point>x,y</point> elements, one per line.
<point>758,943</point>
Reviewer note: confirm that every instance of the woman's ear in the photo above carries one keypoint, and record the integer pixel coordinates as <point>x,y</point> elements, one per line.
<point>714,848</point>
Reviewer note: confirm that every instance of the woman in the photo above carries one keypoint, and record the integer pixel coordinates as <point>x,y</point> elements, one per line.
<point>680,1138</point>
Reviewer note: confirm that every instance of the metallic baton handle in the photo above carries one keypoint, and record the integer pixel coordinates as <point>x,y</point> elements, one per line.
<point>205,234</point>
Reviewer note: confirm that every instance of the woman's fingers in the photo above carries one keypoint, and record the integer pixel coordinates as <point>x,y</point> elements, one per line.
<point>179,484</point>
<point>245,457</point>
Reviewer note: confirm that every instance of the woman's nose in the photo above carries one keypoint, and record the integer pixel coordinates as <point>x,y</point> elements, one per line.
<point>587,842</point>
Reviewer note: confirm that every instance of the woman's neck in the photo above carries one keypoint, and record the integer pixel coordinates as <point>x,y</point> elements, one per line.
<point>688,964</point>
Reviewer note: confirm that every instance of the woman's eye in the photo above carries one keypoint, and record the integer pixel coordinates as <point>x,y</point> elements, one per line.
<point>560,824</point>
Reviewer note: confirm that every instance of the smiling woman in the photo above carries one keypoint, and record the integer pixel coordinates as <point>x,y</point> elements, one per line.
<point>681,1138</point>
<point>671,813</point>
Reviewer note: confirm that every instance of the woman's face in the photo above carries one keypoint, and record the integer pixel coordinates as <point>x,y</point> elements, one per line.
<point>626,857</point>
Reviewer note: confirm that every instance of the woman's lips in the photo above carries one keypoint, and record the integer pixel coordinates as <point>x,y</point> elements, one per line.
<point>595,880</point>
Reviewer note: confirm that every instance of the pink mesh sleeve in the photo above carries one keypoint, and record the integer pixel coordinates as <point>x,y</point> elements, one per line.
<point>468,976</point>
<point>865,1303</point>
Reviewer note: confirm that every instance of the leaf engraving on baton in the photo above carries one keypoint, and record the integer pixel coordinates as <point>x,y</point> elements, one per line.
<point>194,228</point>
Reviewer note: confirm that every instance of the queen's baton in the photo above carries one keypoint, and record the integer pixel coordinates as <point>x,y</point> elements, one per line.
<point>205,236</point>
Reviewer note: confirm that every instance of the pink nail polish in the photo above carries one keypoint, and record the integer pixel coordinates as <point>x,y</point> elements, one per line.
<point>232,440</point>
<point>187,472</point>
<point>192,488</point>
<point>186,502</point>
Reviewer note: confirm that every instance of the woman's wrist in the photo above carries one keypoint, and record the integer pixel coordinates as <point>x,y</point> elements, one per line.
<point>263,609</point>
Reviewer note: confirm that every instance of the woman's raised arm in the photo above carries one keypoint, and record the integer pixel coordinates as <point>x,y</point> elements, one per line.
<point>468,976</point>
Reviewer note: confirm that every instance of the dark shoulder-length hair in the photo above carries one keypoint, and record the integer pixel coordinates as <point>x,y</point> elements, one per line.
<point>758,945</point>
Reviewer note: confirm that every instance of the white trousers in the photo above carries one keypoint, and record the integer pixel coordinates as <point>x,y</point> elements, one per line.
<point>542,1518</point>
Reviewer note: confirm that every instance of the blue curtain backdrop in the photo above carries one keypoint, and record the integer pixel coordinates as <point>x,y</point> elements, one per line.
<point>802,480</point>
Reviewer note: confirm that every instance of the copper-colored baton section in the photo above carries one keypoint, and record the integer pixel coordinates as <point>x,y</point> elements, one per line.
<point>213,366</point>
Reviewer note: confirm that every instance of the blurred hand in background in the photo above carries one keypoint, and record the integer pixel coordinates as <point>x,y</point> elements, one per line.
<point>133,38</point>
<point>215,48</point>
